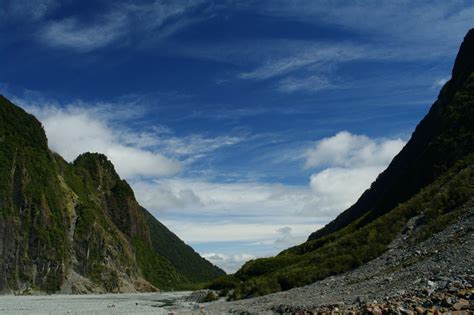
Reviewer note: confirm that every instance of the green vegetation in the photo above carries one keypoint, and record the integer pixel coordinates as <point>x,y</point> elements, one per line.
<point>30,204</point>
<point>156,268</point>
<point>224,282</point>
<point>210,297</point>
<point>181,256</point>
<point>42,197</point>
<point>163,259</point>
<point>439,204</point>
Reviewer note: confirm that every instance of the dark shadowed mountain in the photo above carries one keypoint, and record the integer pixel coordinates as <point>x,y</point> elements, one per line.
<point>439,141</point>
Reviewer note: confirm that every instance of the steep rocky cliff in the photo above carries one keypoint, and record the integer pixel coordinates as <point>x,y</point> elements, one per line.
<point>77,227</point>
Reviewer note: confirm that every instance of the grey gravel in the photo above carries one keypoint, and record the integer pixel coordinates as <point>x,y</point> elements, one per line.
<point>403,273</point>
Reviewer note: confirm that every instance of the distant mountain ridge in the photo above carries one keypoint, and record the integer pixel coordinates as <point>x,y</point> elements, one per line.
<point>432,177</point>
<point>77,227</point>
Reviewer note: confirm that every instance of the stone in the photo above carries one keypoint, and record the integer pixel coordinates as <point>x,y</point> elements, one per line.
<point>377,311</point>
<point>419,310</point>
<point>461,305</point>
<point>361,300</point>
<point>447,302</point>
<point>405,311</point>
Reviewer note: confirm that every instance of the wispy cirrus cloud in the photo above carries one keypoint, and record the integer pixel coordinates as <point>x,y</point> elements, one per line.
<point>71,33</point>
<point>402,21</point>
<point>392,31</point>
<point>312,83</point>
<point>33,10</point>
<point>306,54</point>
<point>156,19</point>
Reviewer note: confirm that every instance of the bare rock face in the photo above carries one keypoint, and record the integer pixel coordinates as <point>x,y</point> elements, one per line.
<point>116,196</point>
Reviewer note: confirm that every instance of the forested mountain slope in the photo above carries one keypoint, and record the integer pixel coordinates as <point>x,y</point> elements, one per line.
<point>77,227</point>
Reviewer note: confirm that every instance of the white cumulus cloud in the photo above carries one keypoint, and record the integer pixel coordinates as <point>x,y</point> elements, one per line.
<point>193,195</point>
<point>338,188</point>
<point>72,132</point>
<point>349,164</point>
<point>348,150</point>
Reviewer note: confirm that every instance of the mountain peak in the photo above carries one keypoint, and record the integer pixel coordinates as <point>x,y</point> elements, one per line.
<point>95,162</point>
<point>464,63</point>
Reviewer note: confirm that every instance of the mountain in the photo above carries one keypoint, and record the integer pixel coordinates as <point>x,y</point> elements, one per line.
<point>432,177</point>
<point>440,139</point>
<point>77,227</point>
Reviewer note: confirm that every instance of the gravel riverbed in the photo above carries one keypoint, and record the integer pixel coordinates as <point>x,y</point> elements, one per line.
<point>143,303</point>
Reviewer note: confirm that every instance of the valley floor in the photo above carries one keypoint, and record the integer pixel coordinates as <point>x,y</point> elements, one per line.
<point>144,303</point>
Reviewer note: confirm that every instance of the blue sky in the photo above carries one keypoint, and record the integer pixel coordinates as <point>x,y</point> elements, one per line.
<point>242,125</point>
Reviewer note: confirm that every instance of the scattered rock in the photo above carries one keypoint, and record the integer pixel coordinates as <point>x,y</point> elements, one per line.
<point>461,305</point>
<point>447,302</point>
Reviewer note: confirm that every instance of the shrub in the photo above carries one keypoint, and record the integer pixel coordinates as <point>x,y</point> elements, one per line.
<point>210,297</point>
